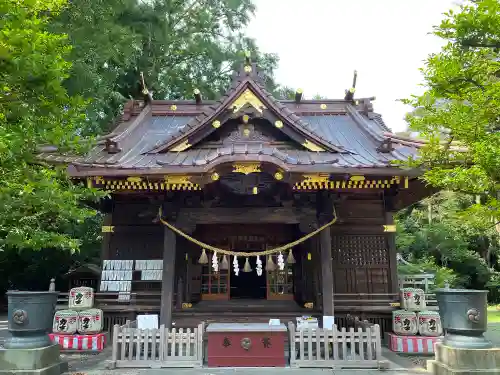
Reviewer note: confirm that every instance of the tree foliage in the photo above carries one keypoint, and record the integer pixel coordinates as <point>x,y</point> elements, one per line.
<point>459,114</point>
<point>40,206</point>
<point>179,45</point>
<point>439,236</point>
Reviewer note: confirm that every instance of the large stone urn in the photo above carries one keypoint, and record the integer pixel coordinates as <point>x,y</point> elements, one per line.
<point>30,319</point>
<point>463,315</point>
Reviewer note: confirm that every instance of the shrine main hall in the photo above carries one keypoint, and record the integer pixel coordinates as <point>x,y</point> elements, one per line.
<point>248,208</point>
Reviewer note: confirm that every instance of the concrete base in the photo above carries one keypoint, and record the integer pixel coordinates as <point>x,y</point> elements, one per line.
<point>40,361</point>
<point>458,361</point>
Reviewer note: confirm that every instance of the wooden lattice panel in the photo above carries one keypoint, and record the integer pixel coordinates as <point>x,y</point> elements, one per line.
<point>359,250</point>
<point>360,264</point>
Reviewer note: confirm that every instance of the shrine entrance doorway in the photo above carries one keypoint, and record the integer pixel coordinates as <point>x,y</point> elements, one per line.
<point>248,285</point>
<point>272,284</point>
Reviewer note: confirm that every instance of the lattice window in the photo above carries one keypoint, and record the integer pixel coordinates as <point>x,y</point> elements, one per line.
<point>360,250</point>
<point>214,285</point>
<point>280,282</point>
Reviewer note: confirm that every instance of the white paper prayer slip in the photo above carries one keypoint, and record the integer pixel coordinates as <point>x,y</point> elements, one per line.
<point>328,322</point>
<point>147,321</point>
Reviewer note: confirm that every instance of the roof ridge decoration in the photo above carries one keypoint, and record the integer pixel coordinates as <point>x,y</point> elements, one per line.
<point>247,96</point>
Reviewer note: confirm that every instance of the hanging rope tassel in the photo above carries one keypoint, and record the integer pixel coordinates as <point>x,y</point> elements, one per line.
<point>259,267</point>
<point>203,257</point>
<point>246,267</point>
<point>224,264</point>
<point>270,266</point>
<point>290,259</point>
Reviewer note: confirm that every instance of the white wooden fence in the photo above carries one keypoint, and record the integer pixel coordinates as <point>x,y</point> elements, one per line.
<point>156,348</point>
<point>336,348</point>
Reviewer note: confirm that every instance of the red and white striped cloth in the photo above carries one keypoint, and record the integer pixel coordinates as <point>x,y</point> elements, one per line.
<point>412,344</point>
<point>95,342</point>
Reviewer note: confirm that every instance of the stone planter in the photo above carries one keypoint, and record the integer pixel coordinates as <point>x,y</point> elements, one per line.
<point>463,315</point>
<point>30,319</point>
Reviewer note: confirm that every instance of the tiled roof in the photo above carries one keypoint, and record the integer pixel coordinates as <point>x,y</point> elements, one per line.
<point>351,136</point>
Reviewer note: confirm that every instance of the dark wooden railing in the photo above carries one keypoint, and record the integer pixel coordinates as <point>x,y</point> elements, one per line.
<point>365,302</point>
<point>145,301</point>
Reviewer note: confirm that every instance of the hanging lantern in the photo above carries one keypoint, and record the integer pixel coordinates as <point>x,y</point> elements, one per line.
<point>236,266</point>
<point>270,266</point>
<point>290,259</point>
<point>246,267</point>
<point>215,262</point>
<point>224,264</point>
<point>203,257</point>
<point>281,262</point>
<point>259,266</point>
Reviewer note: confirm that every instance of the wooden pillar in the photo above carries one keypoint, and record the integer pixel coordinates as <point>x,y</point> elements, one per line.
<point>168,277</point>
<point>326,271</point>
<point>392,253</point>
<point>106,236</point>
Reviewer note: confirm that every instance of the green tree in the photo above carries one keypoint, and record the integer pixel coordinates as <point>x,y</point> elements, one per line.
<point>178,45</point>
<point>459,113</point>
<point>41,207</point>
<point>437,236</point>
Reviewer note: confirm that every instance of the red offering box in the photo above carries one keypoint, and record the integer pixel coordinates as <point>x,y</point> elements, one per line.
<point>412,344</point>
<point>246,345</point>
<point>94,343</point>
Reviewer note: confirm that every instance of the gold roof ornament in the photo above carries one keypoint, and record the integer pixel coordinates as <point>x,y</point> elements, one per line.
<point>216,124</point>
<point>323,106</point>
<point>315,178</point>
<point>134,179</point>
<point>278,124</point>
<point>278,176</point>
<point>390,228</point>
<point>357,178</point>
<point>173,107</point>
<point>177,179</point>
<point>215,176</point>
<point>247,97</point>
<point>312,147</point>
<point>181,146</point>
<point>246,168</point>
<point>248,68</point>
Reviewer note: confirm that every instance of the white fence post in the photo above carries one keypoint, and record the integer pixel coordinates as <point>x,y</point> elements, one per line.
<point>335,348</point>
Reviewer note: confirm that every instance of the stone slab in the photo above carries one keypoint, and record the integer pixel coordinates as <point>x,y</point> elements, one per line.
<point>472,359</point>
<point>29,359</point>
<point>437,368</point>
<point>55,369</point>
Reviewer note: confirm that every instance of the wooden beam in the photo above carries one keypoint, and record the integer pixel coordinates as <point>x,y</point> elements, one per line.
<point>278,215</point>
<point>326,271</point>
<point>168,277</point>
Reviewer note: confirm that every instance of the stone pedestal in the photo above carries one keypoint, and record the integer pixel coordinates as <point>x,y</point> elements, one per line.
<point>38,361</point>
<point>459,361</point>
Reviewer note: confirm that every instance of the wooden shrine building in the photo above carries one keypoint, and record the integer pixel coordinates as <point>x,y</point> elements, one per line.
<point>203,187</point>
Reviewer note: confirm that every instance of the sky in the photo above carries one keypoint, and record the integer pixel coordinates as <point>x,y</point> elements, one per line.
<point>321,42</point>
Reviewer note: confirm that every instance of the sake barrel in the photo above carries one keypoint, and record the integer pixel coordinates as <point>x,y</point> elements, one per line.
<point>81,298</point>
<point>429,323</point>
<point>413,299</point>
<point>90,321</point>
<point>404,322</point>
<point>65,322</point>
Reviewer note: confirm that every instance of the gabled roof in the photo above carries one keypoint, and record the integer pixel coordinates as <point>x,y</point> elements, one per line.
<point>247,90</point>
<point>163,137</point>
